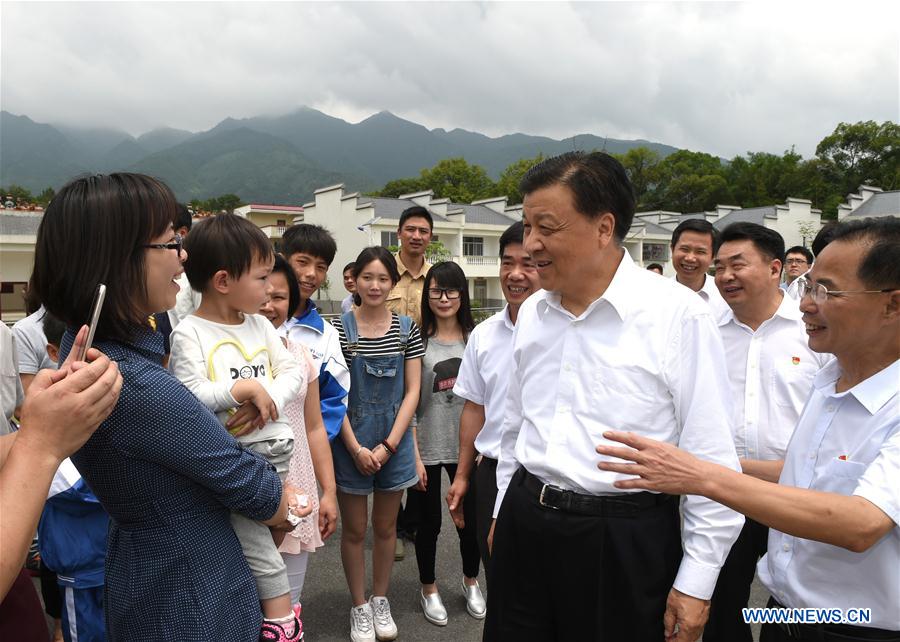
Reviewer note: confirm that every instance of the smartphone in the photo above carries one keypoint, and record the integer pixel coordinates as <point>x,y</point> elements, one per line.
<point>96,306</point>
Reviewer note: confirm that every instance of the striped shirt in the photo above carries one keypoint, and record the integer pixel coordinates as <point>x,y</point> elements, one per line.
<point>386,345</point>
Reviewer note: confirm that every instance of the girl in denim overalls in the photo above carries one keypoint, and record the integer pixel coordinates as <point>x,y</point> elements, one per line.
<point>376,451</point>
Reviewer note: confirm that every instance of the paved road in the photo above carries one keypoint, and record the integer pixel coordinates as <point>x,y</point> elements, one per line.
<point>326,601</point>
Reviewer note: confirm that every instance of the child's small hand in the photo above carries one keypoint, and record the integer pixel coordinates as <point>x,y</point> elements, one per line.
<point>252,391</point>
<point>245,420</point>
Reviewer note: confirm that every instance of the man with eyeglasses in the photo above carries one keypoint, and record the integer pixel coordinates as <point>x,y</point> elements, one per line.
<point>834,516</point>
<point>797,261</point>
<point>770,369</point>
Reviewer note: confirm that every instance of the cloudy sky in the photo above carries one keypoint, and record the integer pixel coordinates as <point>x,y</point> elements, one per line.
<point>718,77</point>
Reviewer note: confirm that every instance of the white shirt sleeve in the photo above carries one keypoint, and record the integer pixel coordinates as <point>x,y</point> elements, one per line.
<point>512,424</point>
<point>470,385</point>
<point>698,382</point>
<point>880,483</point>
<point>187,362</point>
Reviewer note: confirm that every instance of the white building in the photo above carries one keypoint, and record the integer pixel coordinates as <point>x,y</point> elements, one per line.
<point>471,233</point>
<point>18,234</point>
<point>870,201</point>
<point>650,235</point>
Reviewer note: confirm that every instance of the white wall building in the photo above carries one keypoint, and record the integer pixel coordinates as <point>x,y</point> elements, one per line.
<point>471,233</point>
<point>870,201</point>
<point>18,234</point>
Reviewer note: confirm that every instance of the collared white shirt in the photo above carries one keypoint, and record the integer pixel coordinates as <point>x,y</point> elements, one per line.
<point>711,295</point>
<point>846,443</point>
<point>645,357</point>
<point>484,376</point>
<point>771,372</point>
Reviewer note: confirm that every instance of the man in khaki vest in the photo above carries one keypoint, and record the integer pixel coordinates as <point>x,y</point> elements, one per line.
<point>414,234</point>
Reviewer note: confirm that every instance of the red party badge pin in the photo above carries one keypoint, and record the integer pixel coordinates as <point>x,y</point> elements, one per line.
<point>842,457</point>
<point>795,361</point>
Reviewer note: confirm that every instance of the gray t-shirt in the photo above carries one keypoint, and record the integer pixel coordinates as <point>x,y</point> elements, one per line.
<point>31,343</point>
<point>439,408</point>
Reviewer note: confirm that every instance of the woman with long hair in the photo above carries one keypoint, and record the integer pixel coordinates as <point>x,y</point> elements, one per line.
<point>446,324</point>
<point>375,451</point>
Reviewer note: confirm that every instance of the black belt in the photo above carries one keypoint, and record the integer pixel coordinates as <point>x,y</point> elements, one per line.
<point>599,505</point>
<point>832,632</point>
<point>487,461</point>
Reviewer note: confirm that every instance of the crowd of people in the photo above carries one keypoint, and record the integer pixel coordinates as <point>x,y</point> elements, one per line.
<point>604,434</point>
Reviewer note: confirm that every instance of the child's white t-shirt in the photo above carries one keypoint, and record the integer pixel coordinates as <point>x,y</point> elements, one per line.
<point>209,358</point>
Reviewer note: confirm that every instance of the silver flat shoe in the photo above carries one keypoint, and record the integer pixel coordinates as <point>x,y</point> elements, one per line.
<point>475,604</point>
<point>433,608</point>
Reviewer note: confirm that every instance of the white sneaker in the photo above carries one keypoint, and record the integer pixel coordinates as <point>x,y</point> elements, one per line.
<point>385,629</point>
<point>362,623</point>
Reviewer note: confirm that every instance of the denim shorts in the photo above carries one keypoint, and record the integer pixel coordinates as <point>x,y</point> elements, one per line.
<point>397,473</point>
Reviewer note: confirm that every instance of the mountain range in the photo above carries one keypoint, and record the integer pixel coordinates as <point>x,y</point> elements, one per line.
<point>270,159</point>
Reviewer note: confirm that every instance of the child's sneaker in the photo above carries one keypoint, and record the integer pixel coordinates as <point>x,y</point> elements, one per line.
<point>385,629</point>
<point>361,624</point>
<point>272,632</point>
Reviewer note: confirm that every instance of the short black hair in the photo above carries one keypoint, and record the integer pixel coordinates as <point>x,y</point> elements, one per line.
<point>598,182</point>
<point>799,249</point>
<point>349,266</point>
<point>283,267</point>
<point>879,268</point>
<point>53,329</point>
<point>223,242</point>
<point>655,266</point>
<point>769,242</point>
<point>375,253</point>
<point>416,211</point>
<point>515,233</point>
<point>184,217</point>
<point>94,231</point>
<point>700,226</point>
<point>310,239</point>
<point>824,237</point>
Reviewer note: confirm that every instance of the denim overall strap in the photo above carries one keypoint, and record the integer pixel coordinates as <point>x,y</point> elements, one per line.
<point>405,327</point>
<point>348,320</point>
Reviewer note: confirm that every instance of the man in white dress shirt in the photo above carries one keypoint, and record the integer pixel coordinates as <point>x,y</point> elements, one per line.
<point>606,344</point>
<point>483,382</point>
<point>694,244</point>
<point>770,368</point>
<point>834,541</point>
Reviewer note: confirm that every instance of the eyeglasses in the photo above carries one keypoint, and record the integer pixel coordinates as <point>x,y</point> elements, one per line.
<point>796,262</point>
<point>820,293</point>
<point>437,293</point>
<point>176,244</point>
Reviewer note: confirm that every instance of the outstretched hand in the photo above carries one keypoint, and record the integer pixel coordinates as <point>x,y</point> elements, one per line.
<point>657,466</point>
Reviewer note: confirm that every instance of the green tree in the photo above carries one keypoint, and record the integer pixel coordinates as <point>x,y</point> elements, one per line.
<point>395,188</point>
<point>508,184</point>
<point>436,252</point>
<point>46,196</point>
<point>863,152</point>
<point>17,193</point>
<point>455,179</point>
<point>642,165</point>
<point>688,181</point>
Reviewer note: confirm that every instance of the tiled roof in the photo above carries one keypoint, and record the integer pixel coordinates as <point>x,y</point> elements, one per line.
<point>19,224</point>
<point>392,208</point>
<point>883,204</point>
<point>747,215</point>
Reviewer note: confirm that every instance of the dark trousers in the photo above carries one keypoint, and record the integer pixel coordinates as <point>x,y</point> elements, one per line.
<point>431,513</point>
<point>51,593</point>
<point>483,486</point>
<point>823,633</point>
<point>408,517</point>
<point>726,622</point>
<point>562,576</point>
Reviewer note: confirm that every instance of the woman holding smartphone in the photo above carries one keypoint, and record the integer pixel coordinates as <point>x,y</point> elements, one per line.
<point>161,464</point>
